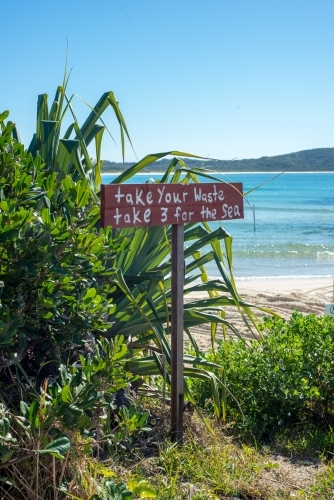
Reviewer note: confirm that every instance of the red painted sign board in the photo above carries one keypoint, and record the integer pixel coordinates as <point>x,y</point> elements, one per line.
<point>132,205</point>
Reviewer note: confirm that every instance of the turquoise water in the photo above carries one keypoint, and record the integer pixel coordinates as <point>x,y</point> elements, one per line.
<point>294,225</point>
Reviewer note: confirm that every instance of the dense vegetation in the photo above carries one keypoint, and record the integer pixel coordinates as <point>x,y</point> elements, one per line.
<point>58,381</point>
<point>85,312</point>
<point>283,380</point>
<point>311,160</point>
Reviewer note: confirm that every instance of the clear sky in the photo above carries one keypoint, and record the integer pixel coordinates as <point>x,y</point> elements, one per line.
<point>225,78</point>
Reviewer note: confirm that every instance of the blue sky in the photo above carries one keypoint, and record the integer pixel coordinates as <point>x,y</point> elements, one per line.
<point>225,78</point>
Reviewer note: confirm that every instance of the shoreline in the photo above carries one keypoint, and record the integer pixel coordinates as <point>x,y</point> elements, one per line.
<point>232,172</point>
<point>288,284</point>
<point>285,277</point>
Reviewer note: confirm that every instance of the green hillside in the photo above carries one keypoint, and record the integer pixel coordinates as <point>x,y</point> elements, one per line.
<point>314,160</point>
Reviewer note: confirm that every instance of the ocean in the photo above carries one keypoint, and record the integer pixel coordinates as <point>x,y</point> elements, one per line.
<point>293,234</point>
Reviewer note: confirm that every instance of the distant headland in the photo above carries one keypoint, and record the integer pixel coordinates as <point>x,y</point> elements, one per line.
<point>311,160</point>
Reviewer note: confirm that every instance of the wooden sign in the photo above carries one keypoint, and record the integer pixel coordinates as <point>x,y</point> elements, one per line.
<point>131,205</point>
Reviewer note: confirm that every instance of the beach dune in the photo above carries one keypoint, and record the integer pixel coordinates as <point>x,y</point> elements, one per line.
<point>281,295</point>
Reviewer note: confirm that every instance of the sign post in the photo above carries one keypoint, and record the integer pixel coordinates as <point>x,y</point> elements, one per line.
<point>177,332</point>
<point>134,205</point>
<point>329,308</point>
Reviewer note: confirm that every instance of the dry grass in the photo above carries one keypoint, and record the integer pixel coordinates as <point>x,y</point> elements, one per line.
<point>207,466</point>
<point>204,467</point>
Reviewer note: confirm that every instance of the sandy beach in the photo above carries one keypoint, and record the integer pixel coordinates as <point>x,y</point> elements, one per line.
<point>283,296</point>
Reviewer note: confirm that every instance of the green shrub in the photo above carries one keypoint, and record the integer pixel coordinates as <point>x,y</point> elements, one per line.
<point>57,379</point>
<point>73,417</point>
<point>54,263</point>
<point>285,378</point>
